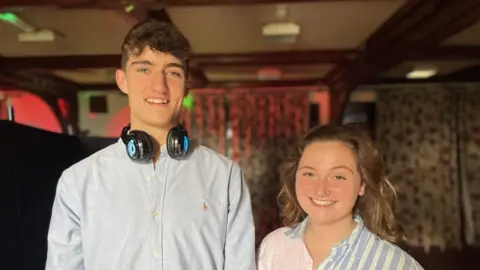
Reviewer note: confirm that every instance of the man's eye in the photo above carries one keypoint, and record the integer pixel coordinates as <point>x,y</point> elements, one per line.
<point>175,73</point>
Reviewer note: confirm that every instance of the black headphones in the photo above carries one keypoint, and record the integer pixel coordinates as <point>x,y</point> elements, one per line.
<point>141,147</point>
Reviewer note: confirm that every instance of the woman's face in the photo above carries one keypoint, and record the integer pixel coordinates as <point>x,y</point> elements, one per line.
<point>327,182</point>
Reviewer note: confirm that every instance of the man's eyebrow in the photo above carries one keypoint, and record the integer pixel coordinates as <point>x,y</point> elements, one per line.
<point>177,65</point>
<point>141,62</point>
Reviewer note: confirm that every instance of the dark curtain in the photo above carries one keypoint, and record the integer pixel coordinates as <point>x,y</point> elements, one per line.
<point>469,144</point>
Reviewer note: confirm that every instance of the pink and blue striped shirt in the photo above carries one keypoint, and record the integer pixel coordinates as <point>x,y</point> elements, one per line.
<point>284,249</point>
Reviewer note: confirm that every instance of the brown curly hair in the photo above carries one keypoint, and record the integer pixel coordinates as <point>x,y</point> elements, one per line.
<point>376,207</point>
<point>159,36</point>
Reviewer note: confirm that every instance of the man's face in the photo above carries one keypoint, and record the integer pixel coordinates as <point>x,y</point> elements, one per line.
<point>155,84</point>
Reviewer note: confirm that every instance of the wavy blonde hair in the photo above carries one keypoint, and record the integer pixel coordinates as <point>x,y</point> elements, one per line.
<point>376,207</point>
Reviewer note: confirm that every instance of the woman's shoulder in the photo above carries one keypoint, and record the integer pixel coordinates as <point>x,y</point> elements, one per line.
<point>277,249</point>
<point>275,237</point>
<point>392,256</point>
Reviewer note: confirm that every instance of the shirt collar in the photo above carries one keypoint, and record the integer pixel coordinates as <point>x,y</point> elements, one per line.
<point>298,231</point>
<point>163,149</point>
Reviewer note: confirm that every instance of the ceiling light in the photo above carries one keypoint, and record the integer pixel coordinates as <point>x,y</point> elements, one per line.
<point>422,73</point>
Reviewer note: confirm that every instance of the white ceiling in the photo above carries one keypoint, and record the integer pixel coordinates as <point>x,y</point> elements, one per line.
<point>324,25</point>
<point>210,29</point>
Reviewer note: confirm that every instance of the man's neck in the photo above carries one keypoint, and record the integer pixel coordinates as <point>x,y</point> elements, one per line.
<point>158,134</point>
<point>328,235</point>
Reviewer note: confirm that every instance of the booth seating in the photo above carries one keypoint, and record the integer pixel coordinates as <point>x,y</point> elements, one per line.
<point>31,162</point>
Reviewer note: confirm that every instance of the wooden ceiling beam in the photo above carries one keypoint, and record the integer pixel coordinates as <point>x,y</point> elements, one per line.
<point>71,62</point>
<point>37,82</point>
<point>222,84</point>
<point>273,58</point>
<point>448,53</point>
<point>414,29</point>
<point>107,3</point>
<point>198,60</point>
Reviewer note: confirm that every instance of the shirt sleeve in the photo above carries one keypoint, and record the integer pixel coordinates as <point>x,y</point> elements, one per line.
<point>240,237</point>
<point>64,238</point>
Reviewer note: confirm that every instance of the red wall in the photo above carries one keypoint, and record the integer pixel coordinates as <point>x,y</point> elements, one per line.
<point>31,110</point>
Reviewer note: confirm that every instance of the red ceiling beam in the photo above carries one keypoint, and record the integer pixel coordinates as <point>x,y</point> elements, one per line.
<point>414,29</point>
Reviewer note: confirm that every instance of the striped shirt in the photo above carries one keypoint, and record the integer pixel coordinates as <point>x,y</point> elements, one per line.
<point>284,249</point>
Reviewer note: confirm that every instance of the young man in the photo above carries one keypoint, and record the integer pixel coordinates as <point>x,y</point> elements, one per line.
<point>111,212</point>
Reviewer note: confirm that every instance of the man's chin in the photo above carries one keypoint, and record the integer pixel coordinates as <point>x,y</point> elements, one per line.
<point>164,124</point>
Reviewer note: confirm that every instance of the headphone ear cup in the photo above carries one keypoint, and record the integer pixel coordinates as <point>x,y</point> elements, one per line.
<point>171,143</point>
<point>132,147</point>
<point>140,146</point>
<point>177,142</point>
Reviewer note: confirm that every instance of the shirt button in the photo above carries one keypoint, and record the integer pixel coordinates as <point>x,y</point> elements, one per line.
<point>149,178</point>
<point>155,214</point>
<point>156,253</point>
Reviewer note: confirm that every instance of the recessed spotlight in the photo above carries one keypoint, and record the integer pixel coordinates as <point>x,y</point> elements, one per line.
<point>422,73</point>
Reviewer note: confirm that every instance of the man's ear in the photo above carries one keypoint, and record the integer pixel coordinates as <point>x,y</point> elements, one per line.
<point>120,79</point>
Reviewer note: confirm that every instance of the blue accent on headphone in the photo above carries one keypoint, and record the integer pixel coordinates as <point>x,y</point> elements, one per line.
<point>185,143</point>
<point>131,148</point>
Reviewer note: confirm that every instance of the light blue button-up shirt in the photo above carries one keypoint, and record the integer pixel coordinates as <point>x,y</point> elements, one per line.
<point>112,213</point>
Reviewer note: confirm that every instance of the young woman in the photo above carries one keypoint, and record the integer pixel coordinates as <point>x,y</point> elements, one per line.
<point>338,208</point>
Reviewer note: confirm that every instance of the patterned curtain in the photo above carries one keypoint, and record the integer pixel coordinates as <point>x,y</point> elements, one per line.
<point>206,120</point>
<point>469,144</point>
<point>417,132</point>
<point>264,122</point>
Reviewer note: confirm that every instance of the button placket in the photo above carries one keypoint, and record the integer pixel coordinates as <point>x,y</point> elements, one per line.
<point>155,214</point>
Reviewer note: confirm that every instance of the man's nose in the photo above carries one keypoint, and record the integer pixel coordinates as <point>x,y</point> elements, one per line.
<point>160,83</point>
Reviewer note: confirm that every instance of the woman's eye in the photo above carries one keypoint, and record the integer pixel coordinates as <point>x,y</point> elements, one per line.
<point>307,174</point>
<point>338,177</point>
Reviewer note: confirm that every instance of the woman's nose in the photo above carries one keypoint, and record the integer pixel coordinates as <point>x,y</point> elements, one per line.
<point>322,189</point>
